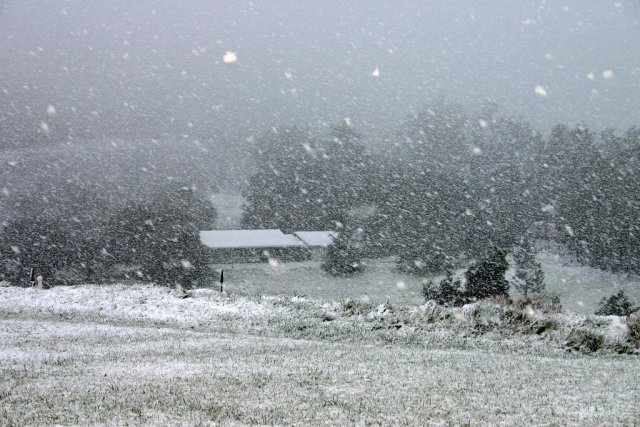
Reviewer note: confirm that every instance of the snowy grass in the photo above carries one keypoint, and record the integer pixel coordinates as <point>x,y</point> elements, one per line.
<point>379,282</point>
<point>580,288</point>
<point>145,355</point>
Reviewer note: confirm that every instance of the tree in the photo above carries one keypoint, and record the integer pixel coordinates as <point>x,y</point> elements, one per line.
<point>344,162</point>
<point>486,278</point>
<point>422,218</point>
<point>161,237</point>
<point>289,189</point>
<point>529,277</point>
<point>34,242</point>
<point>616,305</point>
<point>448,292</point>
<point>343,257</point>
<point>435,138</point>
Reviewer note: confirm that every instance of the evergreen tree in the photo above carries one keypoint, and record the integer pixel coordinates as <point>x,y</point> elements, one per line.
<point>435,138</point>
<point>423,218</point>
<point>161,236</point>
<point>529,277</point>
<point>344,162</point>
<point>343,257</point>
<point>616,305</point>
<point>486,278</point>
<point>288,190</point>
<point>448,292</point>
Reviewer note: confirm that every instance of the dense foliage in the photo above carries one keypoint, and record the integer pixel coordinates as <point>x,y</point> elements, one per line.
<point>448,292</point>
<point>616,305</point>
<point>160,238</point>
<point>449,185</point>
<point>485,278</point>
<point>68,240</point>
<point>343,256</point>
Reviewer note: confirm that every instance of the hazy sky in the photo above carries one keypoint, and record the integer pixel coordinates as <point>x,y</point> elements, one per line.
<point>309,62</point>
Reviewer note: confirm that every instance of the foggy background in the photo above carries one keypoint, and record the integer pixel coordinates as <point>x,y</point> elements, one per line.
<point>154,67</point>
<point>431,132</point>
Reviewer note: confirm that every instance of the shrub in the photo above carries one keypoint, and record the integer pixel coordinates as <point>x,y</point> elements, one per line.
<point>448,292</point>
<point>354,307</point>
<point>486,278</point>
<point>544,302</point>
<point>584,340</point>
<point>545,325</point>
<point>616,305</point>
<point>633,323</point>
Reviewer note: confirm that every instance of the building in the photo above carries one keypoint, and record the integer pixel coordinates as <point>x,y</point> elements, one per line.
<point>316,241</point>
<point>236,246</point>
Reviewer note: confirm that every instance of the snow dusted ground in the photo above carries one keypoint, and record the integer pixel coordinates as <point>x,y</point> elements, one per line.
<point>580,287</point>
<point>140,354</point>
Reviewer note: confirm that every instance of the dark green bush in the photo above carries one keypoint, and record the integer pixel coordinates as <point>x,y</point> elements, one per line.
<point>486,278</point>
<point>616,305</point>
<point>584,340</point>
<point>448,292</point>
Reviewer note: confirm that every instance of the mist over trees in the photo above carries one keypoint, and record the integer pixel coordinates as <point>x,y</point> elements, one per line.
<point>74,236</point>
<point>445,187</point>
<point>454,185</point>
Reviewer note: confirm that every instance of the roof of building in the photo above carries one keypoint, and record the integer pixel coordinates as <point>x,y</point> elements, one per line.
<point>316,238</point>
<point>226,239</point>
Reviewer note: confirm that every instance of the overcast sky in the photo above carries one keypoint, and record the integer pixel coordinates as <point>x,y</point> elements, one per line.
<point>309,62</point>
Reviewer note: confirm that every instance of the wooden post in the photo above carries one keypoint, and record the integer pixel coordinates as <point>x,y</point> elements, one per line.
<point>221,278</point>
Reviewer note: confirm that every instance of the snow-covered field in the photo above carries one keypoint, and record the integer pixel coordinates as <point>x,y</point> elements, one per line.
<point>140,354</point>
<point>580,287</point>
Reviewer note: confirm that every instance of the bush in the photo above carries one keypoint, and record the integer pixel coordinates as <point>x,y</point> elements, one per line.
<point>448,292</point>
<point>354,307</point>
<point>584,340</point>
<point>633,323</point>
<point>616,305</point>
<point>543,302</point>
<point>486,278</point>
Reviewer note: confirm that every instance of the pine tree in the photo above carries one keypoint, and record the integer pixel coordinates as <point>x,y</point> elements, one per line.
<point>529,277</point>
<point>616,305</point>
<point>343,256</point>
<point>448,292</point>
<point>486,278</point>
<point>289,188</point>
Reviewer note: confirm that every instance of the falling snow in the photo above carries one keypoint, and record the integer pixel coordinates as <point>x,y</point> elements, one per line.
<point>344,191</point>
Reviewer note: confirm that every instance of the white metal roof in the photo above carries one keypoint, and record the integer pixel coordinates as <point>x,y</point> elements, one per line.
<point>316,238</point>
<point>225,239</point>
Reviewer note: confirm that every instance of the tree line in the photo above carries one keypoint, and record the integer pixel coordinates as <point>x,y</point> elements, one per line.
<point>450,185</point>
<point>446,187</point>
<point>74,236</point>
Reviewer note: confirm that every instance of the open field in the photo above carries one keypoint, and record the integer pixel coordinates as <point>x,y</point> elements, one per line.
<point>139,354</point>
<point>580,288</point>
